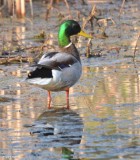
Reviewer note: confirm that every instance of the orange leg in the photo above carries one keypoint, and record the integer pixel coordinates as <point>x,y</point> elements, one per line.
<point>67,97</point>
<point>49,99</point>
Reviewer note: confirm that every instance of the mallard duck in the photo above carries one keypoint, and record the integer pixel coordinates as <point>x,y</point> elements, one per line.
<point>59,70</point>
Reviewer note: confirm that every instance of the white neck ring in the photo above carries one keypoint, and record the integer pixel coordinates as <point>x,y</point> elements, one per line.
<point>68,45</point>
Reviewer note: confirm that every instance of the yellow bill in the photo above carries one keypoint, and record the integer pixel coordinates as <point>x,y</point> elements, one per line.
<point>84,34</point>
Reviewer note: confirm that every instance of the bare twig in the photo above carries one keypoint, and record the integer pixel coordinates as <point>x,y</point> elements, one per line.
<point>49,9</point>
<point>90,17</point>
<point>105,21</point>
<point>83,2</point>
<point>14,59</point>
<point>135,64</point>
<point>67,5</point>
<point>51,6</point>
<point>134,54</point>
<point>3,6</point>
<point>122,6</point>
<point>89,44</point>
<point>31,7</point>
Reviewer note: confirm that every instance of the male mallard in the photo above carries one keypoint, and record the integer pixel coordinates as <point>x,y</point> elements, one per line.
<point>58,71</point>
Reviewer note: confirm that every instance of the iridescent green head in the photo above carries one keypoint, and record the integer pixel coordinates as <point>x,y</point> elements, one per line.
<point>69,28</point>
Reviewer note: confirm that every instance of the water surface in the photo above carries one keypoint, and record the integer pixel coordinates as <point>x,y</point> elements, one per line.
<point>103,120</point>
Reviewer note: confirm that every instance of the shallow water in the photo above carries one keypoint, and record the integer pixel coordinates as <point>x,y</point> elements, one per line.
<point>103,121</point>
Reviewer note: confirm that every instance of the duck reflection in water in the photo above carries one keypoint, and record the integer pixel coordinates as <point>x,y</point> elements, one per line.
<point>59,129</point>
